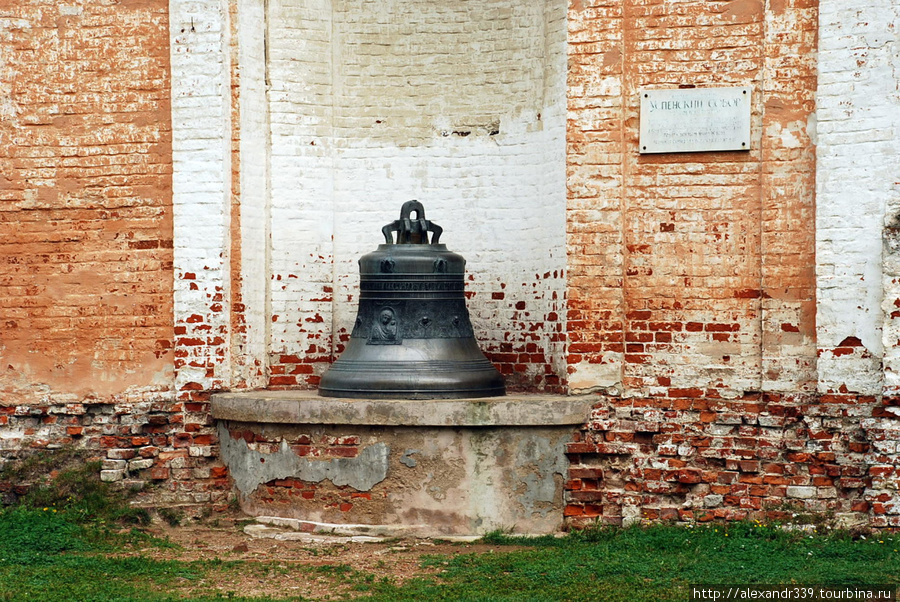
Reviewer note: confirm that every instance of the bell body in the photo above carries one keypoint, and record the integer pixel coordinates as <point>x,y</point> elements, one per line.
<point>412,338</point>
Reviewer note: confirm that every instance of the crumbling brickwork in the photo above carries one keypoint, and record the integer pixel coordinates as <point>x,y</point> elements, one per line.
<point>693,458</point>
<point>167,451</point>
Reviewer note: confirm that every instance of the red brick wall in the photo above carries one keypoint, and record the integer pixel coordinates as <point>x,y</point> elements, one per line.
<point>694,270</point>
<point>86,306</point>
<point>691,276</point>
<point>85,201</point>
<point>763,456</point>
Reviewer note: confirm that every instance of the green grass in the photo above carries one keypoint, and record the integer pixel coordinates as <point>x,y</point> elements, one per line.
<point>74,487</point>
<point>46,555</point>
<point>656,563</point>
<point>74,538</point>
<point>54,541</point>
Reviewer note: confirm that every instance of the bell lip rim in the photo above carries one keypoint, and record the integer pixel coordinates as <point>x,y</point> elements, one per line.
<point>384,275</point>
<point>405,394</point>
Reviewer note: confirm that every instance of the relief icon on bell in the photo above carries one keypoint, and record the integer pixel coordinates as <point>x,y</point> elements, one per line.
<point>412,338</point>
<point>384,329</point>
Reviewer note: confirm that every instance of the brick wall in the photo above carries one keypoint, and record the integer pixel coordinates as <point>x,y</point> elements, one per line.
<point>86,291</point>
<point>199,37</point>
<point>734,311</point>
<point>250,199</point>
<point>773,426</point>
<point>300,270</point>
<point>763,456</point>
<point>858,198</point>
<point>857,127</point>
<point>85,202</point>
<point>690,271</point>
<point>166,450</point>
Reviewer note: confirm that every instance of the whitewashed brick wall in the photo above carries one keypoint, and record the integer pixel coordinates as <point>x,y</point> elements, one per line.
<point>858,153</point>
<point>461,106</point>
<point>201,183</point>
<point>252,338</point>
<point>457,104</point>
<point>343,112</point>
<point>302,176</point>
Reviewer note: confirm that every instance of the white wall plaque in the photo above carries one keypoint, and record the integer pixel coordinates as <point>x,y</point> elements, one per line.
<point>695,119</point>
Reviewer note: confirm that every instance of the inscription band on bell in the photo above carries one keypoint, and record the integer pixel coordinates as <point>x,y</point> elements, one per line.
<point>408,285</point>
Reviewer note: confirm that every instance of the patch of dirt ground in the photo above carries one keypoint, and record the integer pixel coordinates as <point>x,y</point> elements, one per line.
<point>329,568</point>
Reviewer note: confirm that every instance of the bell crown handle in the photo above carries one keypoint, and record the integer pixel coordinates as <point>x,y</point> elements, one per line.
<point>412,230</point>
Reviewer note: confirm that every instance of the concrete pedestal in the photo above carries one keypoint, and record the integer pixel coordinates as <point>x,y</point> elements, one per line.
<point>426,468</point>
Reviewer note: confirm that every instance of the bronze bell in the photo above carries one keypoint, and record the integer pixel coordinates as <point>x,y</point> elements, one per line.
<point>412,338</point>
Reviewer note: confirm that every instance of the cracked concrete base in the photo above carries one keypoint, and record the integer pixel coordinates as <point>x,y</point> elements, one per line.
<point>406,468</point>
